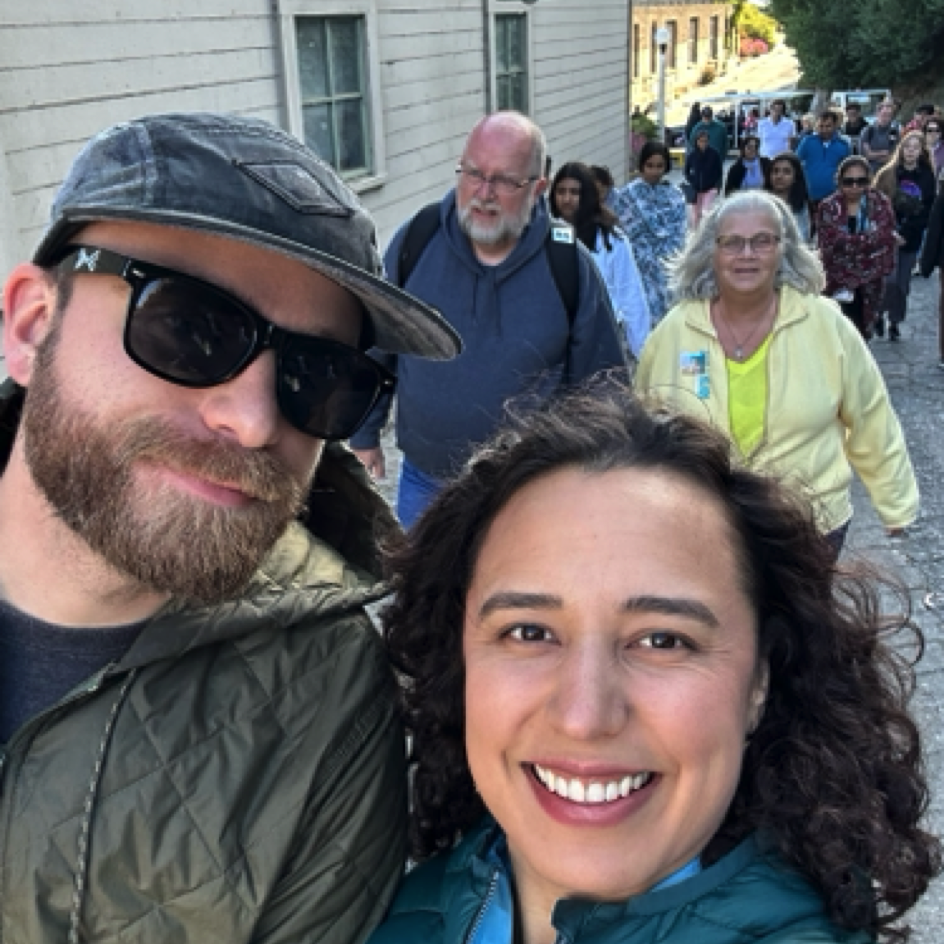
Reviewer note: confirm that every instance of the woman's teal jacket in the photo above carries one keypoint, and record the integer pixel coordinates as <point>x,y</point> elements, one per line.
<point>748,897</point>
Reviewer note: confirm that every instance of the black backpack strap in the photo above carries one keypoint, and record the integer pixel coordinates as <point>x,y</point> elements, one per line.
<point>561,248</point>
<point>420,231</point>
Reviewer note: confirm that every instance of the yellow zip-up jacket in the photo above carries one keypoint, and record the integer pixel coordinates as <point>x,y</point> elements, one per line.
<point>827,412</point>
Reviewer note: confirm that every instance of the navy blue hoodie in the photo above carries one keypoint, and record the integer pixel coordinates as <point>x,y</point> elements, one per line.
<point>516,335</point>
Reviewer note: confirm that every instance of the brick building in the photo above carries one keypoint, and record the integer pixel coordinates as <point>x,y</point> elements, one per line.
<point>697,31</point>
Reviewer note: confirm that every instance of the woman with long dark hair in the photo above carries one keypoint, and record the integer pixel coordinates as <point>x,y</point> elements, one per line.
<point>787,181</point>
<point>574,197</point>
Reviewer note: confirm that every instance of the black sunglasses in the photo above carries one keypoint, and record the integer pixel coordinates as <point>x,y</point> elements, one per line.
<point>855,181</point>
<point>193,334</point>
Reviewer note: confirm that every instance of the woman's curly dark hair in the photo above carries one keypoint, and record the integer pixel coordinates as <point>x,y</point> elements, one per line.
<point>833,773</point>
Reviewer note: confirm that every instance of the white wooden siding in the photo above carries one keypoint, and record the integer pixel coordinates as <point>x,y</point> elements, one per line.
<point>580,56</point>
<point>67,70</point>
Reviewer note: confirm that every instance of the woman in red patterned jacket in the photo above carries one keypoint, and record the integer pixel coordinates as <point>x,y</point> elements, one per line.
<point>856,227</point>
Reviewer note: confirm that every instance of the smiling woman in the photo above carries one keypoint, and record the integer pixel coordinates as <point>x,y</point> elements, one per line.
<point>644,704</point>
<point>753,345</point>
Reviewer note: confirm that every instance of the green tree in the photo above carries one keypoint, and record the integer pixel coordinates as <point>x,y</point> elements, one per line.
<point>841,44</point>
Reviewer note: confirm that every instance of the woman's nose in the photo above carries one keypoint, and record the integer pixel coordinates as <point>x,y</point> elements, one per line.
<point>590,697</point>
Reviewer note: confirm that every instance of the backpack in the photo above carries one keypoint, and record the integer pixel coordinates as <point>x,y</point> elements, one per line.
<point>560,246</point>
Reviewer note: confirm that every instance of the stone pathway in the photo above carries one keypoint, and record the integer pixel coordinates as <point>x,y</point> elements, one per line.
<point>916,385</point>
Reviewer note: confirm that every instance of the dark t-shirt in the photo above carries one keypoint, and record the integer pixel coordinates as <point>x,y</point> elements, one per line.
<point>40,662</point>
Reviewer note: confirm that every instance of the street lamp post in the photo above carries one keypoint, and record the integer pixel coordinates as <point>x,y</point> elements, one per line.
<point>662,39</point>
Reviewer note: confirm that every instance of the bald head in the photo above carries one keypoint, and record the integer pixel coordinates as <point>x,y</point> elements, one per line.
<point>501,177</point>
<point>514,133</point>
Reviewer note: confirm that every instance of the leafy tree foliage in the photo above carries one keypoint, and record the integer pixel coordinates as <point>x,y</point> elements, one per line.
<point>755,23</point>
<point>841,44</point>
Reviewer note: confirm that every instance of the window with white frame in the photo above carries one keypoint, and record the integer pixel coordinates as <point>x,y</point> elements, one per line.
<point>693,40</point>
<point>334,92</point>
<point>511,61</point>
<point>331,53</point>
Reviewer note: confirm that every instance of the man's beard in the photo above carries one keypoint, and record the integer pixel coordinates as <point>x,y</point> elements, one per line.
<point>503,227</point>
<point>165,539</point>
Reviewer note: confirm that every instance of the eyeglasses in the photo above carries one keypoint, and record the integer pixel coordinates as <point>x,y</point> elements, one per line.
<point>855,181</point>
<point>193,334</point>
<point>760,243</point>
<point>934,130</point>
<point>503,185</point>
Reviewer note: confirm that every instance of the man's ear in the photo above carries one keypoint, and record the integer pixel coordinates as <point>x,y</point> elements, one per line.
<point>540,187</point>
<point>29,298</point>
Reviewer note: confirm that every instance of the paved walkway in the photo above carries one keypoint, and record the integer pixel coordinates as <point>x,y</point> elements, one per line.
<point>917,388</point>
<point>916,385</point>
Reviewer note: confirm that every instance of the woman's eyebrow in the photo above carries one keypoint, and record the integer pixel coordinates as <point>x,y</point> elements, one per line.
<point>511,600</point>
<point>672,606</point>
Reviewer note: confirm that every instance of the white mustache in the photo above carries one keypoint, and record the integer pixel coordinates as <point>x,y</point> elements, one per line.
<point>488,206</point>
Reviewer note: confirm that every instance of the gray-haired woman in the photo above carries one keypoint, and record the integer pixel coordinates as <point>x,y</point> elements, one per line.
<point>753,343</point>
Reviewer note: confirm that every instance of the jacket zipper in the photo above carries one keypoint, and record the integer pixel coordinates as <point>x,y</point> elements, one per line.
<point>89,688</point>
<point>480,915</point>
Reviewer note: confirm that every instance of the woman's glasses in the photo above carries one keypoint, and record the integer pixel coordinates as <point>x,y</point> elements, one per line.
<point>855,181</point>
<point>193,334</point>
<point>760,243</point>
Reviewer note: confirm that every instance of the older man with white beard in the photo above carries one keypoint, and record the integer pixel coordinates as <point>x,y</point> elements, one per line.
<point>522,292</point>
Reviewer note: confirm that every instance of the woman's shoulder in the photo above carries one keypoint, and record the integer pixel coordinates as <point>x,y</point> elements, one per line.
<point>429,892</point>
<point>416,913</point>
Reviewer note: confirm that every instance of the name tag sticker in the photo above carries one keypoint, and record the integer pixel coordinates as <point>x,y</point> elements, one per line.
<point>561,234</point>
<point>693,366</point>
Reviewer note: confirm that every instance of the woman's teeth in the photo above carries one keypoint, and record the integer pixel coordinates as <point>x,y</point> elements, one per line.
<point>590,791</point>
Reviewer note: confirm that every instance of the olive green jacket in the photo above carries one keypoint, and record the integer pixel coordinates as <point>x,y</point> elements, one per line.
<point>237,776</point>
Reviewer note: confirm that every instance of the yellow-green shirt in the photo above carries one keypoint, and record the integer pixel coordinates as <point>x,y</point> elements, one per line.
<point>747,398</point>
<point>828,411</point>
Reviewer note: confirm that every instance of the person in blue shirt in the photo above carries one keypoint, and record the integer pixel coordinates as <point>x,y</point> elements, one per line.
<point>644,703</point>
<point>821,154</point>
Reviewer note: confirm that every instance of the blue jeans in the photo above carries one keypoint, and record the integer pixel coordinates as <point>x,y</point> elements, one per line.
<point>416,490</point>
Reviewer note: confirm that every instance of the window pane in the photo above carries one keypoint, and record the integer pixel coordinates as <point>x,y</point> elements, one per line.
<point>516,42</point>
<point>352,136</point>
<point>346,53</point>
<point>318,133</point>
<point>511,61</point>
<point>312,61</point>
<point>502,62</point>
<point>519,92</point>
<point>504,92</point>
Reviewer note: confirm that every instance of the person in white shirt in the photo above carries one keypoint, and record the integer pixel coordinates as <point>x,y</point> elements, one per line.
<point>775,131</point>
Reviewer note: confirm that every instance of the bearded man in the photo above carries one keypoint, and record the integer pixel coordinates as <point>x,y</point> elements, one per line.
<point>198,727</point>
<point>489,263</point>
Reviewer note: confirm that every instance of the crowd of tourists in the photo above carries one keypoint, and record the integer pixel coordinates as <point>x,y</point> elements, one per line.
<point>627,688</point>
<point>868,197</point>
